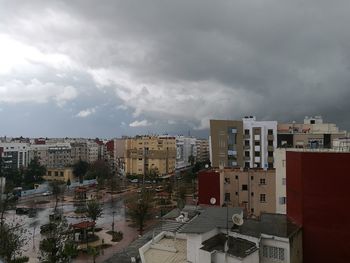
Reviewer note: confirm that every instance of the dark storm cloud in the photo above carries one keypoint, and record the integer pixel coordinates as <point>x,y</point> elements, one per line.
<point>188,61</point>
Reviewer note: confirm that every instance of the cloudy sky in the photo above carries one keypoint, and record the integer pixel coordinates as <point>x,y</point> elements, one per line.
<point>107,68</point>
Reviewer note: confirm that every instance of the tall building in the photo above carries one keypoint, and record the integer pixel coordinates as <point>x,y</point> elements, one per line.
<point>146,153</point>
<point>226,143</point>
<point>317,199</point>
<point>202,150</point>
<point>251,189</point>
<point>185,148</point>
<point>313,133</point>
<point>247,143</point>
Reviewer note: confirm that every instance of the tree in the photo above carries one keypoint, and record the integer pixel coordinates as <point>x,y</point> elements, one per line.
<point>191,159</point>
<point>12,239</point>
<point>57,190</point>
<point>79,169</point>
<point>34,172</point>
<point>140,209</point>
<point>57,246</point>
<point>94,211</point>
<point>7,200</point>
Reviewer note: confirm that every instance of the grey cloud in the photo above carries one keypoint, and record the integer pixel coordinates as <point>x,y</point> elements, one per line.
<point>194,60</point>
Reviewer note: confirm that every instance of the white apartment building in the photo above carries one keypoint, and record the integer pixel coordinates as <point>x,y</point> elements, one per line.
<point>15,154</point>
<point>185,147</point>
<point>260,141</point>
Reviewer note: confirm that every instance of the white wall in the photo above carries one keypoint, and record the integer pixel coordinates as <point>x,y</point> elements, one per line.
<point>280,164</point>
<point>194,243</point>
<point>275,243</point>
<point>249,124</point>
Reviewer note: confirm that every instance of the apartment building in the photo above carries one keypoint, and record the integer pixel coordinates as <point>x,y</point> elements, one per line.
<point>52,154</point>
<point>15,154</point>
<point>145,153</point>
<point>185,147</point>
<point>313,133</point>
<point>251,189</point>
<point>246,143</point>
<point>226,143</point>
<point>202,146</point>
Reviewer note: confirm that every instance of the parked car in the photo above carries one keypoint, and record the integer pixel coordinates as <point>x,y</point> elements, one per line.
<point>134,181</point>
<point>47,193</point>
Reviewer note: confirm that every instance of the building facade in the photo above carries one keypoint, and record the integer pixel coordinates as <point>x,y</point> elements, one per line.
<point>150,153</point>
<point>59,174</point>
<point>15,154</point>
<point>186,148</point>
<point>317,199</point>
<point>313,133</point>
<point>251,189</point>
<point>245,143</point>
<point>202,150</point>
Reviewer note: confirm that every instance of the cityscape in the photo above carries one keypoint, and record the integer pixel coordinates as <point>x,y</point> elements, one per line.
<point>174,131</point>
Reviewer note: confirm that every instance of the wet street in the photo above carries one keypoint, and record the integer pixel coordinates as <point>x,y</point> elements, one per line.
<point>115,205</point>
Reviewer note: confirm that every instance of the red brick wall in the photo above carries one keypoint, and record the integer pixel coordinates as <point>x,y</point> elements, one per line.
<point>318,198</point>
<point>208,187</point>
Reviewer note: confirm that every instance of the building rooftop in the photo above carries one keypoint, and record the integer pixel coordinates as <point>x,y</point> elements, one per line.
<point>237,247</point>
<point>164,251</point>
<point>211,218</point>
<point>269,224</point>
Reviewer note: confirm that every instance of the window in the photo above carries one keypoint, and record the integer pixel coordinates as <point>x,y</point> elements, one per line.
<point>257,143</point>
<point>246,132</point>
<point>252,194</point>
<point>262,198</point>
<point>246,142</point>
<point>270,132</point>
<point>227,180</point>
<point>61,174</point>
<point>284,180</point>
<point>252,178</point>
<point>282,200</point>
<point>257,154</point>
<point>252,210</point>
<point>236,177</point>
<point>227,197</point>
<point>262,181</point>
<point>246,154</point>
<point>236,193</point>
<point>270,143</point>
<point>244,187</point>
<point>270,153</point>
<point>275,253</point>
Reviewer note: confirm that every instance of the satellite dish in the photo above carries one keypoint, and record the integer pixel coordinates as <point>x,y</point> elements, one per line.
<point>237,219</point>
<point>213,200</point>
<point>206,166</point>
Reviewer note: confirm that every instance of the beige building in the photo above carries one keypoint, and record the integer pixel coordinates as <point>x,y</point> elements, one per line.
<point>313,133</point>
<point>252,189</point>
<point>59,174</point>
<point>145,153</point>
<point>202,150</point>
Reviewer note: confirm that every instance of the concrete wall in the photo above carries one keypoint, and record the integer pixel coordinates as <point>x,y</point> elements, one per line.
<point>194,243</point>
<point>273,242</point>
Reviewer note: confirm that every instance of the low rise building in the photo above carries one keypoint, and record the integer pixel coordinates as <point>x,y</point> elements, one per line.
<point>252,189</point>
<point>213,237</point>
<point>59,174</point>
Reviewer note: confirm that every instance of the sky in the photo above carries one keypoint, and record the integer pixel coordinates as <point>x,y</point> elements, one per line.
<point>110,68</point>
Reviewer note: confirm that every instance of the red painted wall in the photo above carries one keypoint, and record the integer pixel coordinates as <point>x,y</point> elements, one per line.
<point>110,146</point>
<point>208,187</point>
<point>318,198</point>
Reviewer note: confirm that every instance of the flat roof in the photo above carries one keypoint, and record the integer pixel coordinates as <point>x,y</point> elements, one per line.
<point>156,255</point>
<point>237,247</point>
